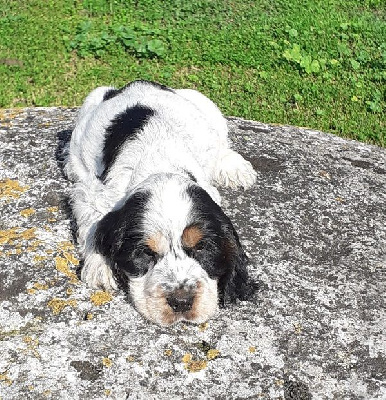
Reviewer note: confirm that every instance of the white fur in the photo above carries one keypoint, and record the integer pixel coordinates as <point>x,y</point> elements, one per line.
<point>187,132</point>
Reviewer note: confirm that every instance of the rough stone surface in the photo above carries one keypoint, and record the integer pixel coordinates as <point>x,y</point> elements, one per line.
<point>314,229</point>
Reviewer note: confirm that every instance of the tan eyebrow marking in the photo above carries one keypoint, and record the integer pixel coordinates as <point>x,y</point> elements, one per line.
<point>156,243</point>
<point>191,236</point>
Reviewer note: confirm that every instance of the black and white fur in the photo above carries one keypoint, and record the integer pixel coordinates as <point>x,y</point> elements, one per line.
<point>144,160</point>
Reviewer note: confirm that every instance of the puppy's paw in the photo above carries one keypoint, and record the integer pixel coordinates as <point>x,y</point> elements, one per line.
<point>97,274</point>
<point>233,170</point>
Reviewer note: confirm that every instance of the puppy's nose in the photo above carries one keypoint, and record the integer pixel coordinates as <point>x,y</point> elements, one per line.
<point>180,304</point>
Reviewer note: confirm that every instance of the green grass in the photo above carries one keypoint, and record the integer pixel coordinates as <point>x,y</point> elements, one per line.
<point>320,63</point>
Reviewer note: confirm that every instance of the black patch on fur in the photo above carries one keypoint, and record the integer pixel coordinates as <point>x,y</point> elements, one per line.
<point>122,128</point>
<point>190,175</point>
<point>219,252</point>
<point>119,238</point>
<point>114,92</point>
<point>111,93</point>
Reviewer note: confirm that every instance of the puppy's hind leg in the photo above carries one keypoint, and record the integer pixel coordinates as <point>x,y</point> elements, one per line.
<point>233,170</point>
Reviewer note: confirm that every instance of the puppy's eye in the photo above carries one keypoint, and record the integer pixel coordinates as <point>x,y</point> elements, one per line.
<point>195,250</point>
<point>199,246</point>
<point>150,253</point>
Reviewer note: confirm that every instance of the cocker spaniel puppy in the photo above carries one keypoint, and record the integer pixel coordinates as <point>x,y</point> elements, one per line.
<point>143,160</point>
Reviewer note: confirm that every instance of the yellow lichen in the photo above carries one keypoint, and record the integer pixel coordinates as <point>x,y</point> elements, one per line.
<point>193,365</point>
<point>44,125</point>
<point>10,113</point>
<point>27,212</point>
<point>11,188</point>
<point>32,345</point>
<point>325,174</point>
<point>89,316</point>
<point>202,327</point>
<point>212,354</point>
<point>196,365</point>
<point>130,359</point>
<point>16,251</point>
<point>34,245</point>
<point>168,352</point>
<point>40,286</point>
<point>12,235</point>
<point>57,305</point>
<point>16,237</point>
<point>65,246</point>
<point>107,362</point>
<point>40,258</point>
<point>70,258</point>
<point>186,358</point>
<point>298,328</point>
<point>28,234</point>
<point>100,297</point>
<point>62,266</point>
<point>252,349</point>
<point>30,341</point>
<point>8,235</point>
<point>53,209</point>
<point>37,286</point>
<point>4,378</point>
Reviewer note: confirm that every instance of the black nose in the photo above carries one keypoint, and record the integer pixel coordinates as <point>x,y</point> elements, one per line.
<point>180,304</point>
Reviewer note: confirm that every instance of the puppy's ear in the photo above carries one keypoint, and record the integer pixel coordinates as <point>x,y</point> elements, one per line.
<point>107,236</point>
<point>119,234</point>
<point>224,258</point>
<point>235,283</point>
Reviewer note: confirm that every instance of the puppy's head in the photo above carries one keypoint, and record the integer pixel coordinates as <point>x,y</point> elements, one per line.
<point>176,251</point>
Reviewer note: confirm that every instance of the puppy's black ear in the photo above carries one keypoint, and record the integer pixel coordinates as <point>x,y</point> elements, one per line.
<point>235,283</point>
<point>121,226</point>
<point>118,236</point>
<point>223,257</point>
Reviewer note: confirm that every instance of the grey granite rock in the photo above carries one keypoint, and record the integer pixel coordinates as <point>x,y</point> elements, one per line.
<point>313,227</point>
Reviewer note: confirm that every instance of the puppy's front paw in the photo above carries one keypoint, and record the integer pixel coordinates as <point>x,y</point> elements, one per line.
<point>97,274</point>
<point>233,171</point>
